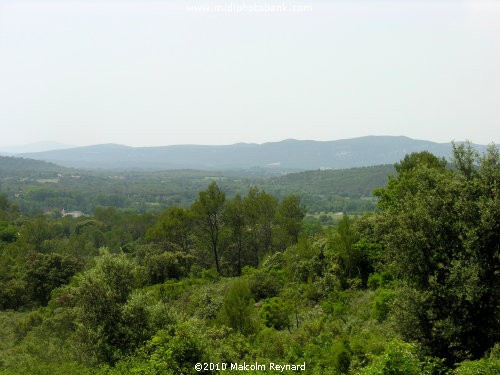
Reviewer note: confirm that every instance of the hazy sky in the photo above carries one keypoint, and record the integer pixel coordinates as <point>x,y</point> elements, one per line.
<point>154,73</point>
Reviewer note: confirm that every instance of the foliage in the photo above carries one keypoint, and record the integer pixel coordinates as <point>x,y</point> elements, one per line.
<point>275,313</point>
<point>46,272</point>
<point>382,303</point>
<point>485,366</point>
<point>289,216</point>
<point>208,211</point>
<point>409,288</point>
<point>172,229</point>
<point>397,359</point>
<point>101,295</point>
<point>237,310</point>
<point>440,230</point>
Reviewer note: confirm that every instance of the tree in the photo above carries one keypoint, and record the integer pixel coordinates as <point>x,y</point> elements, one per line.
<point>351,258</point>
<point>289,216</point>
<point>161,265</point>
<point>45,272</point>
<point>464,157</point>
<point>440,230</point>
<point>36,231</point>
<point>260,212</point>
<point>173,229</point>
<point>8,210</point>
<point>411,161</point>
<point>235,217</point>
<point>209,213</point>
<point>101,295</point>
<point>8,233</point>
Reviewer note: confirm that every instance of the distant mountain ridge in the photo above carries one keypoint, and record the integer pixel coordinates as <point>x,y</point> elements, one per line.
<point>287,155</point>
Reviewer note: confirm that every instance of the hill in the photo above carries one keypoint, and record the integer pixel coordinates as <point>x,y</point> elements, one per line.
<point>11,166</point>
<point>288,155</point>
<point>353,182</point>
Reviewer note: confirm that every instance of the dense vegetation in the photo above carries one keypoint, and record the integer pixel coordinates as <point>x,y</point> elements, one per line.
<point>38,187</point>
<point>412,288</point>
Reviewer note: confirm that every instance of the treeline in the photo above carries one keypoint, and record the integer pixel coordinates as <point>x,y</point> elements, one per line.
<point>237,232</point>
<point>214,232</point>
<point>411,288</point>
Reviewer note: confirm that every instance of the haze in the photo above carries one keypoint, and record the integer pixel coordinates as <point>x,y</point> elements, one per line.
<point>146,73</point>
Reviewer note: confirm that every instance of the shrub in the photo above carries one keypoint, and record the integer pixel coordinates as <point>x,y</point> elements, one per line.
<point>398,359</point>
<point>275,313</point>
<point>382,303</point>
<point>264,284</point>
<point>237,309</point>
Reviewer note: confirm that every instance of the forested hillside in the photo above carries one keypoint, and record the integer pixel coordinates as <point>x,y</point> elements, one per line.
<point>412,288</point>
<point>19,167</point>
<point>37,187</point>
<point>344,190</point>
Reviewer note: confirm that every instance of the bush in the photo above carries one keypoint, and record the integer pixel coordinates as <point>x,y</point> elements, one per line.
<point>485,366</point>
<point>237,309</point>
<point>382,303</point>
<point>275,313</point>
<point>12,294</point>
<point>8,233</point>
<point>45,272</point>
<point>101,294</point>
<point>169,352</point>
<point>272,344</point>
<point>264,284</point>
<point>398,359</point>
<point>379,280</point>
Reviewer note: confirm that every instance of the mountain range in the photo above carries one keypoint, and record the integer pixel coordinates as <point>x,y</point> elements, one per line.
<point>287,155</point>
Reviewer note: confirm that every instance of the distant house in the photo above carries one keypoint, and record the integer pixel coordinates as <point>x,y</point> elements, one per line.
<point>73,214</point>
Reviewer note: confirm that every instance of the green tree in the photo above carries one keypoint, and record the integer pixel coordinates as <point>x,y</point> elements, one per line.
<point>8,211</point>
<point>101,294</point>
<point>260,213</point>
<point>289,216</point>
<point>8,233</point>
<point>161,265</point>
<point>440,231</point>
<point>36,231</point>
<point>417,159</point>
<point>349,255</point>
<point>235,218</point>
<point>45,272</point>
<point>209,213</point>
<point>464,159</point>
<point>173,229</point>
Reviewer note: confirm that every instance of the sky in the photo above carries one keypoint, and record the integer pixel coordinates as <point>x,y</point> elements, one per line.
<point>151,73</point>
